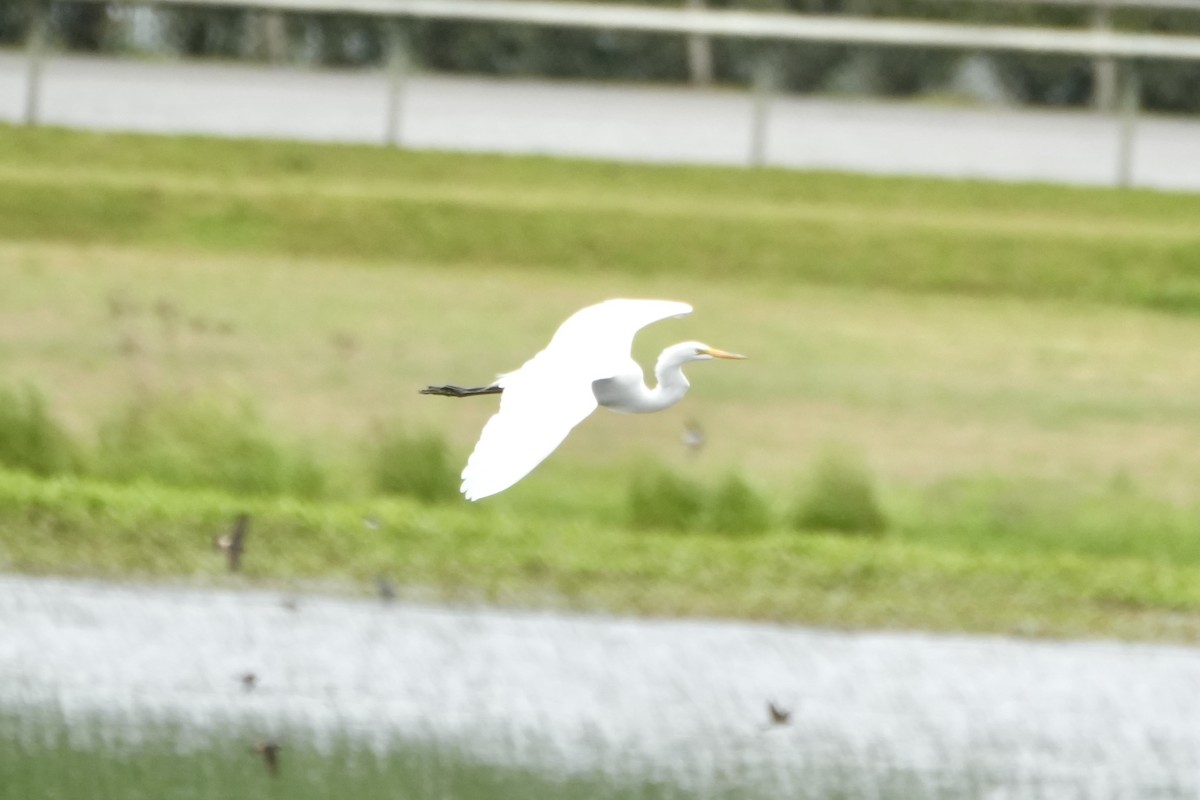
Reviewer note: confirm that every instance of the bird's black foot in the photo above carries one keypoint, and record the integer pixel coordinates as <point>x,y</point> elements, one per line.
<point>450,390</point>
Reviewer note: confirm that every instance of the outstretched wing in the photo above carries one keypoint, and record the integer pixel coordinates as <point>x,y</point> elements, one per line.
<point>538,408</point>
<point>552,392</point>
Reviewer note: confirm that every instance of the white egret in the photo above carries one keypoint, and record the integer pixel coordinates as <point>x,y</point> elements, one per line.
<point>587,364</point>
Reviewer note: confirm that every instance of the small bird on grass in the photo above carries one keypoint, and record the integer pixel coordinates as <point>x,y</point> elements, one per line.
<point>778,714</point>
<point>233,544</point>
<point>129,345</point>
<point>269,750</point>
<point>693,437</point>
<point>385,587</point>
<point>344,344</point>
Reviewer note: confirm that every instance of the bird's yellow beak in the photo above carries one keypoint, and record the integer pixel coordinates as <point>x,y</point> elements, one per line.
<point>715,353</point>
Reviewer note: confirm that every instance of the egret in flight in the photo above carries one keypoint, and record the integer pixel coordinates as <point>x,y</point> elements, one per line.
<point>587,364</point>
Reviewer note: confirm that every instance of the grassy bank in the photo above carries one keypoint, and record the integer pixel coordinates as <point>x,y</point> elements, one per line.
<point>1014,366</point>
<point>382,206</point>
<point>920,576</point>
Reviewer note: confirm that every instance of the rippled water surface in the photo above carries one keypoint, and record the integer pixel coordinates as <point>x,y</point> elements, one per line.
<point>684,702</point>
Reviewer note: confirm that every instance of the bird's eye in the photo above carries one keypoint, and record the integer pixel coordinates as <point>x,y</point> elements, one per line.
<point>699,351</point>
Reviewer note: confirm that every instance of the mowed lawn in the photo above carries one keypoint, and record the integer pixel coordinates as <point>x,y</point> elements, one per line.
<point>927,386</point>
<point>1015,365</point>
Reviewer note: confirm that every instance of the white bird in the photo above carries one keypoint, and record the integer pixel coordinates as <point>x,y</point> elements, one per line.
<point>587,364</point>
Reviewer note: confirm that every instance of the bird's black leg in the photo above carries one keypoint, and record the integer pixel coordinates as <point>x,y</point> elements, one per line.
<point>450,390</point>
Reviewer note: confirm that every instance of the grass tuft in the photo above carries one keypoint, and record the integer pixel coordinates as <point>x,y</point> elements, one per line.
<point>736,508</point>
<point>840,496</point>
<point>30,438</point>
<point>198,444</point>
<point>416,465</point>
<point>659,498</point>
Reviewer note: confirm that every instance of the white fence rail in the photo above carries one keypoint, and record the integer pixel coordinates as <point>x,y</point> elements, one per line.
<point>745,25</point>
<point>1145,5</point>
<point>1096,43</point>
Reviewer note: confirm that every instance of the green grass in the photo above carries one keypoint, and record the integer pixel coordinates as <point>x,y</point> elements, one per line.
<point>839,496</point>
<point>661,498</point>
<point>46,755</point>
<point>43,756</point>
<point>1016,365</point>
<point>736,508</point>
<point>383,206</point>
<point>185,443</point>
<point>412,465</point>
<point>30,437</point>
<point>928,575</point>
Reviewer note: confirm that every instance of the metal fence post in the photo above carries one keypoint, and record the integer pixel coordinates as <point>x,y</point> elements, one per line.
<point>1130,91</point>
<point>35,48</point>
<point>1104,69</point>
<point>699,50</point>
<point>273,29</point>
<point>764,86</point>
<point>397,71</point>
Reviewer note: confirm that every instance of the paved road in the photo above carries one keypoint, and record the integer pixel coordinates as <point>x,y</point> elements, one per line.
<point>620,122</point>
<point>874,714</point>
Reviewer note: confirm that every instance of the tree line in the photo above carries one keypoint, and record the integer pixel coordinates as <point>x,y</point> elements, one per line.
<point>518,50</point>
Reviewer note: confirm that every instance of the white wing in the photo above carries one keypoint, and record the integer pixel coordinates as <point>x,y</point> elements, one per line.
<point>552,392</point>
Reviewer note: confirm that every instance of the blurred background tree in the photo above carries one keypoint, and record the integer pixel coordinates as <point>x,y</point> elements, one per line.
<point>81,26</point>
<point>517,50</point>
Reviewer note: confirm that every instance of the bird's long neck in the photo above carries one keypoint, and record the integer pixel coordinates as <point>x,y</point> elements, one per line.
<point>628,394</point>
<point>672,383</point>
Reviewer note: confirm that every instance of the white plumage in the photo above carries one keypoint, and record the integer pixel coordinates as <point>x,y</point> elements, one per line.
<point>587,363</point>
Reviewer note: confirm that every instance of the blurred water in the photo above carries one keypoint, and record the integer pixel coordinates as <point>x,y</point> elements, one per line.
<point>681,701</point>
